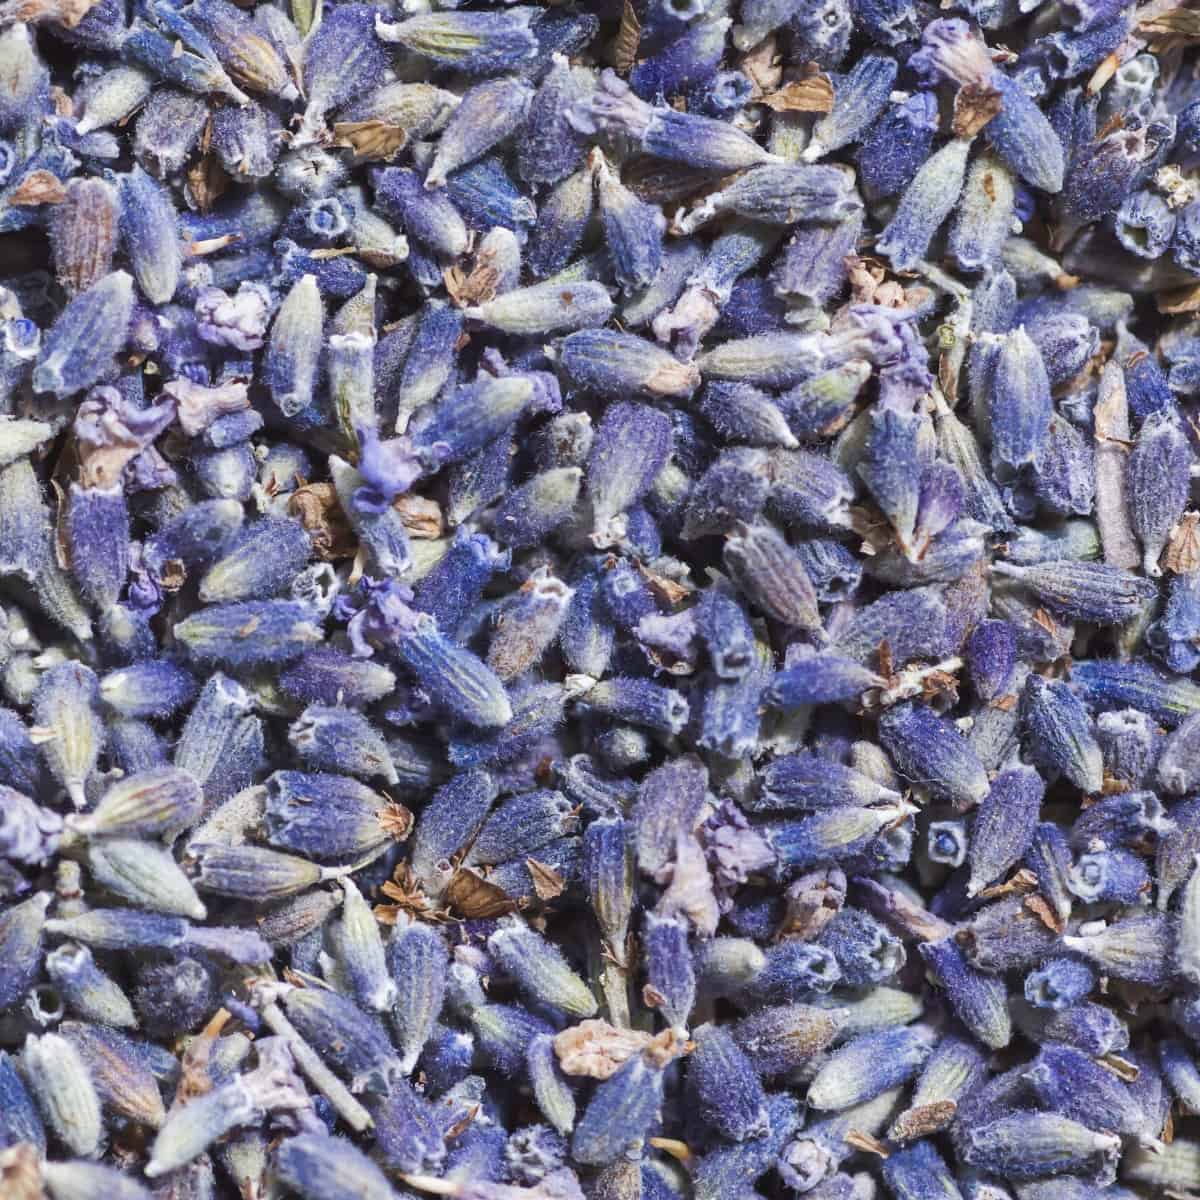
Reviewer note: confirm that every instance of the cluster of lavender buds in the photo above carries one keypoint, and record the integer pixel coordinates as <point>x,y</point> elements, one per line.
<point>599,600</point>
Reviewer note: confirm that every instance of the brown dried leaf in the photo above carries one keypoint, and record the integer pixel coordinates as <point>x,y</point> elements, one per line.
<point>409,897</point>
<point>375,140</point>
<point>1040,907</point>
<point>473,897</point>
<point>811,95</point>
<point>625,45</point>
<point>421,517</point>
<point>1182,555</point>
<point>596,1049</point>
<point>1022,882</point>
<point>316,507</point>
<point>974,107</point>
<point>207,182</point>
<point>476,286</point>
<point>396,821</point>
<point>39,187</point>
<point>548,884</point>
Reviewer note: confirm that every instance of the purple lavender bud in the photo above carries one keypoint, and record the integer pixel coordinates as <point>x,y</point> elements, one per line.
<point>1102,174</point>
<point>670,974</point>
<point>343,58</point>
<point>926,203</point>
<point>489,113</point>
<point>985,215</point>
<point>472,416</point>
<point>486,196</point>
<point>633,229</point>
<point>332,738</point>
<point>864,952</point>
<point>726,1087</point>
<point>812,268</point>
<point>1030,1145</point>
<point>1136,948</point>
<point>506,1033</point>
<point>521,826</point>
<point>79,349</point>
<point>632,443</point>
<point>859,97</point>
<point>173,998</point>
<point>897,144</point>
<point>780,195</point>
<point>894,442</point>
<point>260,560</point>
<point>918,1171</point>
<point>320,1167</point>
<point>1105,685</point>
<point>1145,224</point>
<point>150,235</point>
<point>536,509</point>
<point>549,149</point>
<point>456,584</point>
<point>448,822</point>
<point>1110,877</point>
<point>1084,591</point>
<point>541,972</point>
<point>428,217</point>
<point>1004,825</point>
<point>417,960</point>
<point>19,1119</point>
<point>681,137</point>
<point>254,873</point>
<point>249,633</point>
<point>1059,733</point>
<point>98,536</point>
<point>1059,984</point>
<point>668,806</point>
<point>615,364</point>
<point>804,781</point>
<point>1158,483</point>
<point>770,574</point>
<point>185,58</point>
<point>623,1108</point>
<point>930,752</point>
<point>83,234</point>
<point>1125,819</point>
<point>331,818</point>
<point>979,1001</point>
<point>156,687</point>
<point>871,1064</point>
<point>407,1137</point>
<point>834,835</point>
<point>1021,405</point>
<point>21,928</point>
<point>1064,472</point>
<point>474,43</point>
<point>638,702</point>
<point>65,708</point>
<point>561,222</point>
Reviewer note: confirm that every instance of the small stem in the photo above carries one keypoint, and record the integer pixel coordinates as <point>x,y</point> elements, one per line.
<point>319,1075</point>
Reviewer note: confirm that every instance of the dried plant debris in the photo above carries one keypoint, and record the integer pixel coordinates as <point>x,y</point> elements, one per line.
<point>599,600</point>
